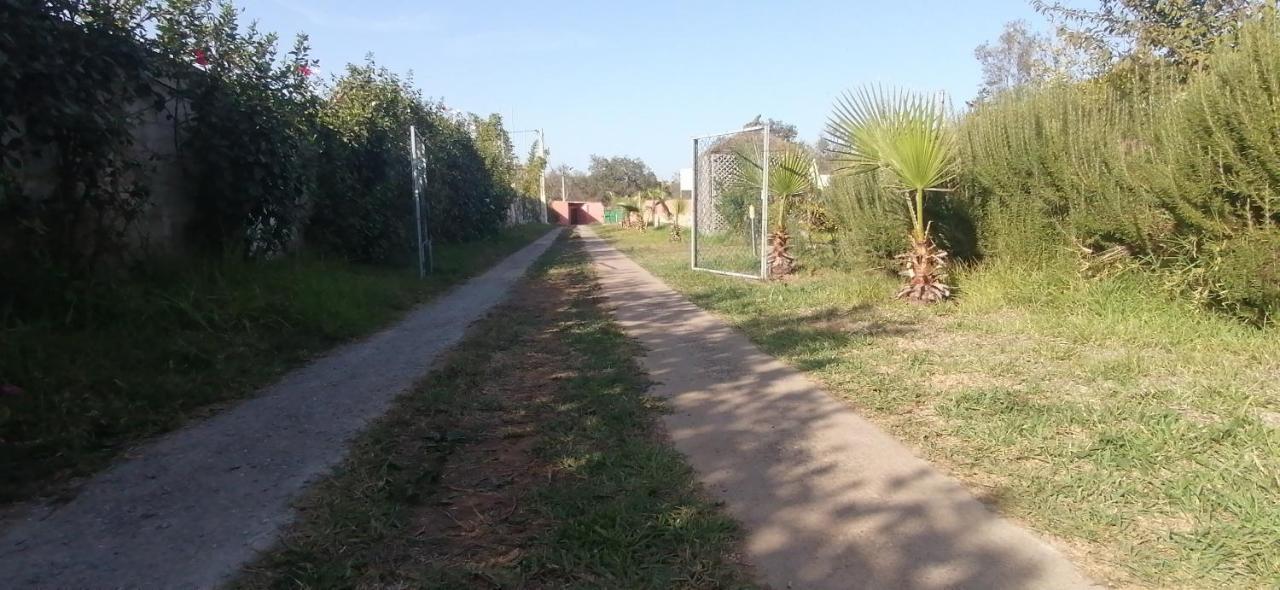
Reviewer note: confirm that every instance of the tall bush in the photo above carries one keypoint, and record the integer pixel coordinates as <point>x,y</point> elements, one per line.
<point>1182,175</point>
<point>267,154</point>
<point>361,208</point>
<point>245,125</point>
<point>73,85</point>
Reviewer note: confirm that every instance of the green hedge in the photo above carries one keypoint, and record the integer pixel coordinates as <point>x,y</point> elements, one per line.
<point>1183,176</point>
<point>270,154</point>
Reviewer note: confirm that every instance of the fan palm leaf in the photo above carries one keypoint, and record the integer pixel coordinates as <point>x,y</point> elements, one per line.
<point>790,177</point>
<point>905,137</point>
<point>903,133</point>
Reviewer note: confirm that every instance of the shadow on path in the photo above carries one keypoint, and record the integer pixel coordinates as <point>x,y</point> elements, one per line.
<point>827,499</point>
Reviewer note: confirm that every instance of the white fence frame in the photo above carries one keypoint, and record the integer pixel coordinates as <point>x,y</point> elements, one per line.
<point>764,205</point>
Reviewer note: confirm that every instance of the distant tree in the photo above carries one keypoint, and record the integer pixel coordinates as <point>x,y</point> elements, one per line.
<point>577,186</point>
<point>494,144</point>
<point>784,131</point>
<point>529,178</point>
<point>1022,57</point>
<point>779,129</point>
<point>1179,32</point>
<point>619,176</point>
<point>1016,58</point>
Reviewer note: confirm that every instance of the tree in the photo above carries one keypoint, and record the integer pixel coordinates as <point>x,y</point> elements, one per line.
<point>1179,32</point>
<point>1023,57</point>
<point>577,186</point>
<point>1016,59</point>
<point>905,139</point>
<point>611,178</point>
<point>779,129</point>
<point>529,178</point>
<point>494,143</point>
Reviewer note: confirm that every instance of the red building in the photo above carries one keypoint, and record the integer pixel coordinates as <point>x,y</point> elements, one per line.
<point>575,212</point>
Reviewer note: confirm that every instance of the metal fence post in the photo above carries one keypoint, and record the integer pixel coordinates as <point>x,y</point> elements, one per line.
<point>764,207</point>
<point>415,172</point>
<point>693,202</point>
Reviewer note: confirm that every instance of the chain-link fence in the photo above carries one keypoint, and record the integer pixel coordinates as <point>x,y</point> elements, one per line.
<point>730,211</point>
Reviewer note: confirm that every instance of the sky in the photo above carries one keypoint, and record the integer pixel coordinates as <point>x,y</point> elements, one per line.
<point>642,78</point>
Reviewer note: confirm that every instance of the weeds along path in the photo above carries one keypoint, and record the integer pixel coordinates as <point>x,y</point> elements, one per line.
<point>828,500</point>
<point>188,510</point>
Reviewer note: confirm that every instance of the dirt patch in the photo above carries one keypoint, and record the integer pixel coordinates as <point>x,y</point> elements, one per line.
<point>481,519</point>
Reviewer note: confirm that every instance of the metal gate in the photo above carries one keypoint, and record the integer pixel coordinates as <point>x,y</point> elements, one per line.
<point>730,206</point>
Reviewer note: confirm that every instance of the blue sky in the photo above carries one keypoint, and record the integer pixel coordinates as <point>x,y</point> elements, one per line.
<point>641,78</point>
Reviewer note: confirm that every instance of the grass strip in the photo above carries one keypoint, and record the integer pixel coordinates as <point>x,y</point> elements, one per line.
<point>532,458</point>
<point>1142,433</point>
<point>153,351</point>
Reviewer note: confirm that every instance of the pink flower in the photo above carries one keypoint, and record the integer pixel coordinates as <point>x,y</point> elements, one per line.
<point>202,57</point>
<point>304,69</point>
<point>10,390</point>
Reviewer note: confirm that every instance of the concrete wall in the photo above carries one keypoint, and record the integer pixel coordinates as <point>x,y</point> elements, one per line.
<point>160,227</point>
<point>666,216</point>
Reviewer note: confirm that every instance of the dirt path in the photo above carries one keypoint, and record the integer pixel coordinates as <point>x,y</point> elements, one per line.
<point>828,499</point>
<point>188,510</point>
<point>529,459</point>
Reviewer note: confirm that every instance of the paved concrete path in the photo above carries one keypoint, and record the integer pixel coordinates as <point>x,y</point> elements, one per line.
<point>828,500</point>
<point>190,509</point>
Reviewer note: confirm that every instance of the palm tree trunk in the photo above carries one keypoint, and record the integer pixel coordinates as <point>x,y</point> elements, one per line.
<point>924,265</point>
<point>781,262</point>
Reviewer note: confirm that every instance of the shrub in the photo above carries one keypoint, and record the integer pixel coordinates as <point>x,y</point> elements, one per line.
<point>1183,175</point>
<point>73,84</point>
<point>1246,275</point>
<point>868,221</point>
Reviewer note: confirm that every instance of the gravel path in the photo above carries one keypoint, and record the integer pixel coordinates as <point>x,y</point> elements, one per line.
<point>188,510</point>
<point>828,500</point>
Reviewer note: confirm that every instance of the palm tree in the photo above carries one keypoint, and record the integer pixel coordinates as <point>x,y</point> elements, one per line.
<point>657,198</point>
<point>905,138</point>
<point>634,214</point>
<point>791,177</point>
<point>679,207</point>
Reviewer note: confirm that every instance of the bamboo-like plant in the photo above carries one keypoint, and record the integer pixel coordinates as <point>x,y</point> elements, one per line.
<point>791,177</point>
<point>906,139</point>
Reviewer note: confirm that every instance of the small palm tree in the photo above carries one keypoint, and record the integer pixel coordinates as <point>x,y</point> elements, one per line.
<point>657,199</point>
<point>791,177</point>
<point>634,214</point>
<point>678,207</point>
<point>904,137</point>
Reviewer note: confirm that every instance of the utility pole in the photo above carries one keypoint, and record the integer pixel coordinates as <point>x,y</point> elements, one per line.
<point>563,198</point>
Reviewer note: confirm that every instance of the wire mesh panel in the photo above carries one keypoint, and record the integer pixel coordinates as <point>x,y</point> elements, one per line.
<point>730,210</point>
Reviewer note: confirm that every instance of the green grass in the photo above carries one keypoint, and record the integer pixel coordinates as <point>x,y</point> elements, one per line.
<point>140,358</point>
<point>1142,433</point>
<point>537,440</point>
<point>729,252</point>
